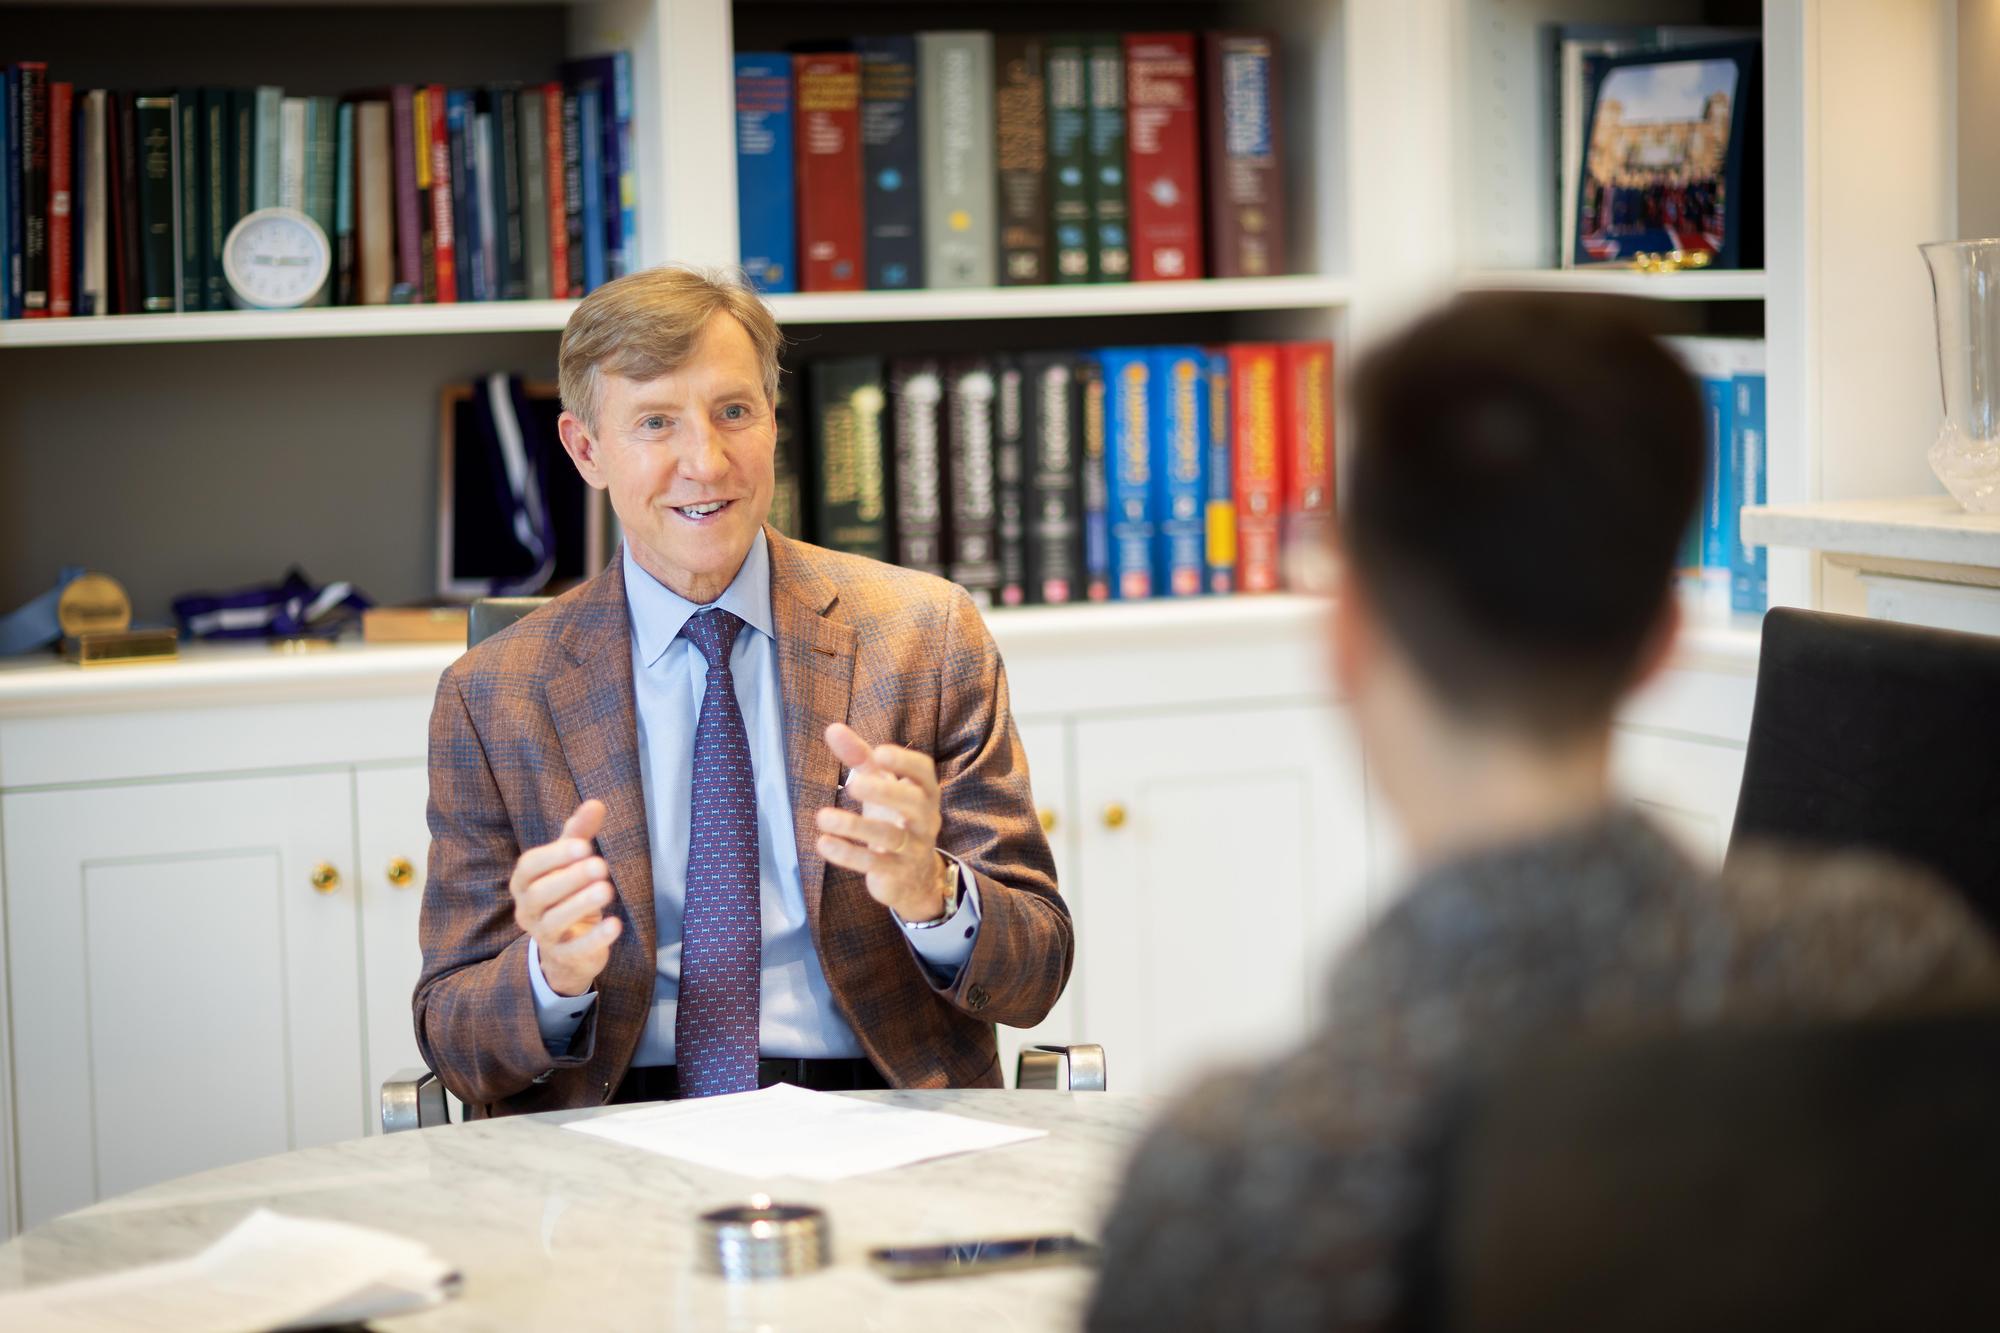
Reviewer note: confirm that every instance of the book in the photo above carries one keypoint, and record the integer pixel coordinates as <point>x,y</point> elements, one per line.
<point>1246,183</point>
<point>573,180</point>
<point>955,123</point>
<point>346,279</point>
<point>76,202</point>
<point>374,200</point>
<point>1110,218</point>
<point>10,193</point>
<point>511,265</point>
<point>409,285</point>
<point>1749,576</point>
<point>31,107</point>
<point>1221,511</point>
<point>443,209</point>
<point>1069,158</point>
<point>916,411</point>
<point>267,116</point>
<point>159,250</point>
<point>1020,128</point>
<point>1712,362</point>
<point>94,291</point>
<point>1053,411</point>
<point>1093,485</point>
<point>609,78</point>
<point>1179,430</point>
<point>218,211</point>
<point>243,148</point>
<point>972,512</point>
<point>534,194</point>
<point>61,168</point>
<point>420,153</point>
<point>849,510</point>
<point>469,264</point>
<point>126,276</point>
<point>892,198</point>
<point>292,154</point>
<point>1305,454</point>
<point>1128,469</point>
<point>558,204</point>
<point>765,200</point>
<point>192,200</point>
<point>1163,155</point>
<point>830,232</point>
<point>1255,408</point>
<point>1010,479</point>
<point>788,506</point>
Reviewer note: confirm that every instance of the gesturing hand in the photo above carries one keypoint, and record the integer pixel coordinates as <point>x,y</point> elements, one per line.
<point>893,841</point>
<point>560,891</point>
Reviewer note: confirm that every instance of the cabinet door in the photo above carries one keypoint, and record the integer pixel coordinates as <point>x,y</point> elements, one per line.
<point>394,845</point>
<point>1047,744</point>
<point>184,992</point>
<point>1689,786</point>
<point>1223,858</point>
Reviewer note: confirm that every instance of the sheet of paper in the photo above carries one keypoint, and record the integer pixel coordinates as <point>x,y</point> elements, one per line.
<point>270,1271</point>
<point>788,1131</point>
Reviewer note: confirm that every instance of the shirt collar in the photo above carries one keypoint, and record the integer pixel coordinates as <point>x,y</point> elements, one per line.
<point>658,612</point>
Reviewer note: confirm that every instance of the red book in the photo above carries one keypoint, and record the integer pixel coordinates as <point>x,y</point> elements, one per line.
<point>1257,425</point>
<point>409,226</point>
<point>444,242</point>
<point>552,139</point>
<point>1246,191</point>
<point>1305,453</point>
<point>829,171</point>
<point>1163,155</point>
<point>62,98</point>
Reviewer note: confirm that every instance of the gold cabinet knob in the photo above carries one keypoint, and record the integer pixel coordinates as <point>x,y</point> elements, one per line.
<point>401,872</point>
<point>1114,815</point>
<point>325,878</point>
<point>1048,818</point>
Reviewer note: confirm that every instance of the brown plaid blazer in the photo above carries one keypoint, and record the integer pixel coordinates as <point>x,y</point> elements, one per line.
<point>540,717</point>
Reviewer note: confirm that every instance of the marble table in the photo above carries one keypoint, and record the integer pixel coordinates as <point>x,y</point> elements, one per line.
<point>557,1230</point>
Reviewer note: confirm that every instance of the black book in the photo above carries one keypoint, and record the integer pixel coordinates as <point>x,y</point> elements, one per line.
<point>1052,413</point>
<point>513,266</point>
<point>891,163</point>
<point>572,146</point>
<point>1021,138</point>
<point>218,193</point>
<point>188,173</point>
<point>242,152</point>
<point>153,121</point>
<point>32,107</point>
<point>916,411</point>
<point>788,500</point>
<point>1010,478</point>
<point>1093,486</point>
<point>131,277</point>
<point>973,517</point>
<point>850,512</point>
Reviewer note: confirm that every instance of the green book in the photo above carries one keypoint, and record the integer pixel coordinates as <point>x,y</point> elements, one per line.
<point>156,136</point>
<point>850,503</point>
<point>321,138</point>
<point>193,239</point>
<point>218,209</point>
<point>1111,229</point>
<point>1069,157</point>
<point>268,152</point>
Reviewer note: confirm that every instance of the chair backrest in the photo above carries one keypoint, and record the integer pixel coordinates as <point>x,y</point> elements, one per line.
<point>1874,734</point>
<point>1828,1178</point>
<point>490,615</point>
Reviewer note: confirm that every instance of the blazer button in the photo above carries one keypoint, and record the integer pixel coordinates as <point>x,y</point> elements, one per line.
<point>976,997</point>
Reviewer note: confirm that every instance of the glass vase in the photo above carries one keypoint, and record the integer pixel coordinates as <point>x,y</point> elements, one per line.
<point>1965,285</point>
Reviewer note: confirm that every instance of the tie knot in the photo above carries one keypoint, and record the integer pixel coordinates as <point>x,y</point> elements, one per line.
<point>713,631</point>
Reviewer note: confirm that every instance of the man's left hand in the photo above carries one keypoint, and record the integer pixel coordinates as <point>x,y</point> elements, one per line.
<point>893,841</point>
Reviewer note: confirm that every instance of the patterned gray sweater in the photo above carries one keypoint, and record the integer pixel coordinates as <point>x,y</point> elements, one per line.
<point>1275,1198</point>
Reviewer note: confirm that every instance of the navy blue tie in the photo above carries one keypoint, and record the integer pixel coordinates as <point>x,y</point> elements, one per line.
<point>722,927</point>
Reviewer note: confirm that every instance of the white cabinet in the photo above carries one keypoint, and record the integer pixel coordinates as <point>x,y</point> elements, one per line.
<point>393,844</point>
<point>1688,785</point>
<point>183,979</point>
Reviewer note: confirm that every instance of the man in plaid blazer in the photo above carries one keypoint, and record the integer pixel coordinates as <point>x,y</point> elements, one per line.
<point>904,910</point>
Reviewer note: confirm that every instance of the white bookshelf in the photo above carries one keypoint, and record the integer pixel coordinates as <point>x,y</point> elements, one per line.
<point>1697,285</point>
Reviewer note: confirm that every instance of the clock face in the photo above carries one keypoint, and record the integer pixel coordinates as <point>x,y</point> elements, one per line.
<point>276,258</point>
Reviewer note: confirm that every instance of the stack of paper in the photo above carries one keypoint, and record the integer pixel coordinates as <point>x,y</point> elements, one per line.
<point>788,1131</point>
<point>271,1272</point>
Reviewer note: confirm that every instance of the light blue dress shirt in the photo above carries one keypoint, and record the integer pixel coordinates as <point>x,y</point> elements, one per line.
<point>797,1016</point>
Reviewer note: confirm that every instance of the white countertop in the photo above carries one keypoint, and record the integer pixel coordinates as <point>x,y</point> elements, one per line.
<point>1929,528</point>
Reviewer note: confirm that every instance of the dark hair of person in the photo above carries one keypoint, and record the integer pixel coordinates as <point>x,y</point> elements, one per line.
<point>1525,469</point>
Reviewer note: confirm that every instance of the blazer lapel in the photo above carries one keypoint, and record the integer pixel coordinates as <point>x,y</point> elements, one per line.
<point>816,676</point>
<point>596,720</point>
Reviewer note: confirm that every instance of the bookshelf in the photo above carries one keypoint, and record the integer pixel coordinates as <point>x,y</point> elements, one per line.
<point>1713,285</point>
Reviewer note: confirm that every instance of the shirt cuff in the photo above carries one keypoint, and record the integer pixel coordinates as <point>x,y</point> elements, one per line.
<point>944,947</point>
<point>558,1016</point>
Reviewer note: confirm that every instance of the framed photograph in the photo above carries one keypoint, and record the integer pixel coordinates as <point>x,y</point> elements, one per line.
<point>1672,158</point>
<point>514,517</point>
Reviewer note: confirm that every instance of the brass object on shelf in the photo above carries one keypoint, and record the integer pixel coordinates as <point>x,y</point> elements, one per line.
<point>1114,815</point>
<point>1673,261</point>
<point>325,878</point>
<point>294,647</point>
<point>401,872</point>
<point>1048,818</point>
<point>117,647</point>
<point>92,604</point>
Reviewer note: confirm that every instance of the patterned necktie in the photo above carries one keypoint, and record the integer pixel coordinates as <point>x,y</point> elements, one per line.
<point>715,1025</point>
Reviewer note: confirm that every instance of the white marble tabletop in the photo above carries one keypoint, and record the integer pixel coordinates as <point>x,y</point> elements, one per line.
<point>557,1230</point>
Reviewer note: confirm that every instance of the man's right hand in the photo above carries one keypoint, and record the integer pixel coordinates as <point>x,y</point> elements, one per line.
<point>560,892</point>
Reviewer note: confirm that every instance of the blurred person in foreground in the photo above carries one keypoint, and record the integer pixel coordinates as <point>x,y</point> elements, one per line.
<point>1525,469</point>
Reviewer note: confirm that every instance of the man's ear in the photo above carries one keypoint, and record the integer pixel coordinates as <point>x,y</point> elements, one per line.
<point>581,446</point>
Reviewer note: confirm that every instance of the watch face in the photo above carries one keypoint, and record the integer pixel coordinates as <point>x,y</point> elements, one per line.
<point>276,258</point>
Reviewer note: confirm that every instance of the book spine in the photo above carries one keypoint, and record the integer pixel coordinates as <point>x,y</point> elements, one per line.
<point>829,171</point>
<point>534,195</point>
<point>1221,510</point>
<point>95,291</point>
<point>243,147</point>
<point>61,166</point>
<point>1720,502</point>
<point>409,229</point>
<point>1255,407</point>
<point>589,109</point>
<point>374,197</point>
<point>916,407</point>
<point>1110,225</point>
<point>765,203</point>
<point>849,493</point>
<point>572,156</point>
<point>269,107</point>
<point>1305,384</point>
<point>507,210</point>
<point>1163,155</point>
<point>955,123</point>
<point>1749,575</point>
<point>467,265</point>
<point>1069,160</point>
<point>1128,470</point>
<point>124,237</point>
<point>1020,127</point>
<point>33,108</point>
<point>292,154</point>
<point>444,216</point>
<point>1179,443</point>
<point>970,481</point>
<point>153,120</point>
<point>420,150</point>
<point>193,227</point>
<point>1054,506</point>
<point>558,206</point>
<point>608,81</point>
<point>1093,484</point>
<point>346,290</point>
<point>891,163</point>
<point>628,164</point>
<point>10,190</point>
<point>1246,185</point>
<point>788,501</point>
<point>1010,479</point>
<point>217,194</point>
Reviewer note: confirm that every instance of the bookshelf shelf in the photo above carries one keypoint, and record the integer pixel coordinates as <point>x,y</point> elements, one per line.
<point>1731,285</point>
<point>263,325</point>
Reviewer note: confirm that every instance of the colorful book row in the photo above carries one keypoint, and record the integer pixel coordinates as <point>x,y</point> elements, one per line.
<point>962,159</point>
<point>1048,477</point>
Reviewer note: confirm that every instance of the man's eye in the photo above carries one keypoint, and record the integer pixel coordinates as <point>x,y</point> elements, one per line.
<point>735,412</point>
<point>653,423</point>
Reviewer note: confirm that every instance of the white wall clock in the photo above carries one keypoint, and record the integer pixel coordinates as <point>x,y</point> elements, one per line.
<point>276,259</point>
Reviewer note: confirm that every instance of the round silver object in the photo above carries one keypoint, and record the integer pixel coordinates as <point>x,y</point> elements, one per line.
<point>761,1239</point>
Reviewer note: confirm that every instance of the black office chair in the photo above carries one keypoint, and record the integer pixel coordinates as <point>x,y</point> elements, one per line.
<point>1868,733</point>
<point>1831,1178</point>
<point>490,615</point>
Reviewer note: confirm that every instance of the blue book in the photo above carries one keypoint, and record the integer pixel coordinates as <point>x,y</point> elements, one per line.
<point>1128,469</point>
<point>459,127</point>
<point>766,204</point>
<point>1180,430</point>
<point>611,77</point>
<point>10,201</point>
<point>1718,531</point>
<point>590,112</point>
<point>1221,538</point>
<point>891,156</point>
<point>1749,578</point>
